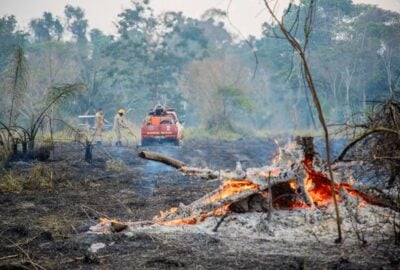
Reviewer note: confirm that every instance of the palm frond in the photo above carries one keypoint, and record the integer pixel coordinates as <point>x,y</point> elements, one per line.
<point>17,80</point>
<point>55,94</point>
<point>73,132</point>
<point>65,90</point>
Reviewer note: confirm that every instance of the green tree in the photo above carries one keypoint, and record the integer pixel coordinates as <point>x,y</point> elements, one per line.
<point>217,94</point>
<point>10,37</point>
<point>231,98</point>
<point>46,28</point>
<point>12,68</point>
<point>76,22</point>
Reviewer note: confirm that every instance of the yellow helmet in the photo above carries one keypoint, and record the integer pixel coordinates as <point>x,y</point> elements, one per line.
<point>121,111</point>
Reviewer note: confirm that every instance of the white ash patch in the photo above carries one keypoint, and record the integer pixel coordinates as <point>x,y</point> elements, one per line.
<point>366,223</point>
<point>96,247</point>
<point>369,222</point>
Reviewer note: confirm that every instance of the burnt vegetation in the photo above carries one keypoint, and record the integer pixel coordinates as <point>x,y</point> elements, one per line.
<point>377,140</point>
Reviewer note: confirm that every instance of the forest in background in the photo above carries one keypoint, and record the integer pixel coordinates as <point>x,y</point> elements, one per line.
<point>217,80</point>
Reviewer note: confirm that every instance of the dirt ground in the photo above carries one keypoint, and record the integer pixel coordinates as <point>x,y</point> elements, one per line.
<point>47,227</point>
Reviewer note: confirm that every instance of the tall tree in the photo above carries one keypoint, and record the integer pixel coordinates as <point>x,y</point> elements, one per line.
<point>47,28</point>
<point>10,37</point>
<point>217,92</point>
<point>76,22</point>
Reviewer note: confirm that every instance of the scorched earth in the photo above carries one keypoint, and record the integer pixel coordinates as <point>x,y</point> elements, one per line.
<point>52,227</point>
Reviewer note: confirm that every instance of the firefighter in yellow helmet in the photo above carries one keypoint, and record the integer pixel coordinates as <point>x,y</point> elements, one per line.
<point>120,122</point>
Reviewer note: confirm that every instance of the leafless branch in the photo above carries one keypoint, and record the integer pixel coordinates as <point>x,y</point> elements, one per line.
<point>301,51</point>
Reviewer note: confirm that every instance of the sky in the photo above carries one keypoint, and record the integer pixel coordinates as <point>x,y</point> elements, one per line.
<point>246,16</point>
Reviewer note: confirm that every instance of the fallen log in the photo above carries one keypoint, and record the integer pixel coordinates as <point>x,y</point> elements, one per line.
<point>177,164</point>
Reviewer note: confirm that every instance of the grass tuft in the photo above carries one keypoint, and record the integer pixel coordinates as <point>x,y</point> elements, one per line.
<point>10,183</point>
<point>115,165</point>
<point>59,226</point>
<point>40,177</point>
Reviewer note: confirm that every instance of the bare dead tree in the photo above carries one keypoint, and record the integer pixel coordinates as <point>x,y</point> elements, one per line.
<point>300,48</point>
<point>379,139</point>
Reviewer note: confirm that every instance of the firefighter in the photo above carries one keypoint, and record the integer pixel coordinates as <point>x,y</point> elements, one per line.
<point>99,124</point>
<point>120,122</point>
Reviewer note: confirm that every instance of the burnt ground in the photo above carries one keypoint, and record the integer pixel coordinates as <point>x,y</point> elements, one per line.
<point>45,225</point>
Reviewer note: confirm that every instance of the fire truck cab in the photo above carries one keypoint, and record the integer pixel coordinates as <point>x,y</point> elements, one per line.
<point>161,125</point>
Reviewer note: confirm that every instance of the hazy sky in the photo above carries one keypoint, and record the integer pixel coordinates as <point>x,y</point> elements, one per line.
<point>246,15</point>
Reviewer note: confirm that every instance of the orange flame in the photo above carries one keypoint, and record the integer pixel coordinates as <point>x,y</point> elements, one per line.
<point>104,220</point>
<point>317,185</point>
<point>293,184</point>
<point>220,211</point>
<point>231,187</point>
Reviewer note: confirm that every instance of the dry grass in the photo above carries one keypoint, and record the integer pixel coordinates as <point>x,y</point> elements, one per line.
<point>40,177</point>
<point>5,151</point>
<point>90,182</point>
<point>115,165</point>
<point>4,157</point>
<point>10,183</point>
<point>59,226</point>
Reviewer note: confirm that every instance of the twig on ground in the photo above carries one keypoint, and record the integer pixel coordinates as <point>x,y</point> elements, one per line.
<point>22,243</point>
<point>94,210</point>
<point>25,253</point>
<point>219,223</point>
<point>269,197</point>
<point>8,257</point>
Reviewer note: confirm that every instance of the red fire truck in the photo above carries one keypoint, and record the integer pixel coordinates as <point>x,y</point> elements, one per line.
<point>161,125</point>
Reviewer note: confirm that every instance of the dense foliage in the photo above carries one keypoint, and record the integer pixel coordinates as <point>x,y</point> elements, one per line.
<point>197,66</point>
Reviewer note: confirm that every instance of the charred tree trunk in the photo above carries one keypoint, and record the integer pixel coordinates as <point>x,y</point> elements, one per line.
<point>88,153</point>
<point>15,148</point>
<point>24,148</point>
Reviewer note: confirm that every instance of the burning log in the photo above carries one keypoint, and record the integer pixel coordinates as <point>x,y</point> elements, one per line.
<point>291,182</point>
<point>214,204</point>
